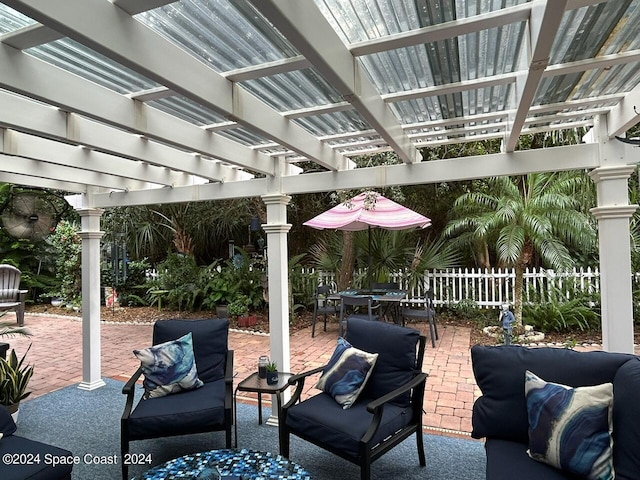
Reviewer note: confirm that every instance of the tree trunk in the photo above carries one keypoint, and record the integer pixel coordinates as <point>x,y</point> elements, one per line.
<point>482,254</point>
<point>518,287</point>
<point>521,264</point>
<point>345,272</point>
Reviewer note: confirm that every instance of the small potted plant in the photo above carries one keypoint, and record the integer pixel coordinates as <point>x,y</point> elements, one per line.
<point>14,379</point>
<point>272,373</point>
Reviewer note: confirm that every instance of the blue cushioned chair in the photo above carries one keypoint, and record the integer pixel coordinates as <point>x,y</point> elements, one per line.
<point>205,409</point>
<point>11,444</point>
<point>387,412</point>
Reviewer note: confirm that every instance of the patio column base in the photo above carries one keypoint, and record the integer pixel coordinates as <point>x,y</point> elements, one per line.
<point>92,385</point>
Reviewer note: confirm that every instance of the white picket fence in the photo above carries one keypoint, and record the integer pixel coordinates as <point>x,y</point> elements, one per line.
<point>490,288</point>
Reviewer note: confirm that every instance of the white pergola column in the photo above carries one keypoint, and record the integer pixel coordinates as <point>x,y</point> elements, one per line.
<point>91,235</point>
<point>277,229</point>
<point>613,213</point>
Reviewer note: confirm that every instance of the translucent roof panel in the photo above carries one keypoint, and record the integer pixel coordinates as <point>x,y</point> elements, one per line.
<point>244,136</point>
<point>226,35</point>
<point>466,57</point>
<point>10,20</point>
<point>587,32</point>
<point>86,63</point>
<point>333,123</point>
<point>187,110</point>
<point>293,90</point>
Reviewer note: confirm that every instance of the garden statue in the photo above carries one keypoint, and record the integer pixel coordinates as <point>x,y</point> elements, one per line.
<point>508,319</point>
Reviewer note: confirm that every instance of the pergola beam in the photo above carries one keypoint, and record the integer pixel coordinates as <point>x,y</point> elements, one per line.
<point>38,148</point>
<point>546,16</point>
<point>305,27</point>
<point>625,114</point>
<point>267,69</point>
<point>39,182</point>
<point>36,79</point>
<point>583,156</point>
<point>112,32</point>
<point>46,170</point>
<point>443,31</point>
<point>27,116</point>
<point>31,36</point>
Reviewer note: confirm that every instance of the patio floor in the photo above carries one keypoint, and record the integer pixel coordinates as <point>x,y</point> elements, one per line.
<point>56,352</point>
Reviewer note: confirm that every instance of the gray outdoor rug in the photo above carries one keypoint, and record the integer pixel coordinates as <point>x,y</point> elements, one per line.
<point>89,423</point>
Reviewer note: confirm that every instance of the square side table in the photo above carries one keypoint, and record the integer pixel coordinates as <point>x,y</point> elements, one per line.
<point>253,383</point>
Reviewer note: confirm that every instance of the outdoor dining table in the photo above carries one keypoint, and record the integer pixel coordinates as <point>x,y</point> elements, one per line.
<point>389,299</point>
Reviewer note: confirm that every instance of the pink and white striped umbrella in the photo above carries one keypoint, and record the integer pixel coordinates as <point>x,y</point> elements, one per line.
<point>368,209</point>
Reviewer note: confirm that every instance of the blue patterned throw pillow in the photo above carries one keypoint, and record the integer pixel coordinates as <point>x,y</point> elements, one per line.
<point>347,372</point>
<point>570,428</point>
<point>169,367</point>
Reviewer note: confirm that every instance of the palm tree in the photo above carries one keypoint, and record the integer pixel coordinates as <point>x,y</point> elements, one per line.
<point>538,214</point>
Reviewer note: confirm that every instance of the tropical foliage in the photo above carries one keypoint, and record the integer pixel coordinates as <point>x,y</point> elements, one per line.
<point>67,247</point>
<point>551,311</point>
<point>522,218</point>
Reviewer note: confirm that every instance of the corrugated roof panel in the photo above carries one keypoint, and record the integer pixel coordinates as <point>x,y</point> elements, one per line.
<point>293,90</point>
<point>588,32</point>
<point>226,35</point>
<point>333,123</point>
<point>11,20</point>
<point>244,136</point>
<point>84,62</point>
<point>187,110</point>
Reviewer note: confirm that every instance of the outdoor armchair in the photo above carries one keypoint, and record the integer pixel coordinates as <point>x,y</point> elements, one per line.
<point>11,297</point>
<point>206,408</point>
<point>386,412</point>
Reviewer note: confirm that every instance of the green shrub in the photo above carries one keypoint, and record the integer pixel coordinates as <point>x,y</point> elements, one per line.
<point>67,246</point>
<point>554,312</point>
<point>177,285</point>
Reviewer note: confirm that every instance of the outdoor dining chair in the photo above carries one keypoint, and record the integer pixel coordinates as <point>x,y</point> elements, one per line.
<point>355,306</point>
<point>11,297</point>
<point>322,305</point>
<point>425,314</point>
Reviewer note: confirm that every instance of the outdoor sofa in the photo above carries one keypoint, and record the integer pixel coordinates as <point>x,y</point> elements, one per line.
<point>21,458</point>
<point>501,416</point>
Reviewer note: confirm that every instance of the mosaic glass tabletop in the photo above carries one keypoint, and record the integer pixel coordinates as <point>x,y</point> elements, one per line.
<point>229,464</point>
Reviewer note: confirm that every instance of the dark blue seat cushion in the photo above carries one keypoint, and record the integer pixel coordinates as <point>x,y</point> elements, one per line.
<point>626,427</point>
<point>501,411</point>
<point>180,413</point>
<point>397,350</point>
<point>33,471</point>
<point>508,460</point>
<point>209,343</point>
<point>320,418</point>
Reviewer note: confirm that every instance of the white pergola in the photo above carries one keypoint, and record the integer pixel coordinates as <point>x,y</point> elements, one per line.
<point>133,102</point>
